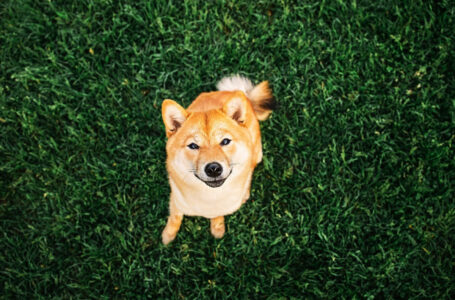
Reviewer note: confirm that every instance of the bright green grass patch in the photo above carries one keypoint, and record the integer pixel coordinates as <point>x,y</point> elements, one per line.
<point>354,198</point>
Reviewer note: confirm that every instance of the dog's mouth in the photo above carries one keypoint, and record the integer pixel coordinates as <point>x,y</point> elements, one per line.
<point>214,183</point>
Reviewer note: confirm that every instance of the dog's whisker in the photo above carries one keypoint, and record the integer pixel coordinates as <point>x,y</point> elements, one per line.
<point>186,175</point>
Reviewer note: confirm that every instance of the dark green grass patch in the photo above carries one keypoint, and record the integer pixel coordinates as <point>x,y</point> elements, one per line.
<point>354,198</point>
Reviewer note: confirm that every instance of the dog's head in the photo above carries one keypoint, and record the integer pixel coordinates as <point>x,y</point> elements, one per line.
<point>207,145</point>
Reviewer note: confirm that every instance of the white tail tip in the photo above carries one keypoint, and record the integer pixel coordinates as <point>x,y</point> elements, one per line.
<point>235,83</point>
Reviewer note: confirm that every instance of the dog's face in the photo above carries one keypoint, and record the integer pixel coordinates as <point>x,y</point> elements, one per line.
<point>208,146</point>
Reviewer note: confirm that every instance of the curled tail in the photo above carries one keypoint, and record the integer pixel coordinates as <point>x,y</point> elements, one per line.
<point>261,96</point>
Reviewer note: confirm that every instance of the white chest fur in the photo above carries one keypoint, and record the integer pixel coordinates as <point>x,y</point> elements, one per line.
<point>197,199</point>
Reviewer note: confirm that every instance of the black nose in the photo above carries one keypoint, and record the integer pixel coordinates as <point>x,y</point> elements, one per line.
<point>213,169</point>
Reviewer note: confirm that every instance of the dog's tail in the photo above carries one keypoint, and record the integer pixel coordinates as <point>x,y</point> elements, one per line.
<point>260,95</point>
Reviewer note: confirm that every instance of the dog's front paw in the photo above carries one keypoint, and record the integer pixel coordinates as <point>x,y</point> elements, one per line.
<point>167,237</point>
<point>218,232</point>
<point>217,227</point>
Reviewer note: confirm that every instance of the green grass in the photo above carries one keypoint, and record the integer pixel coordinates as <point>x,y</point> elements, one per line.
<point>354,198</point>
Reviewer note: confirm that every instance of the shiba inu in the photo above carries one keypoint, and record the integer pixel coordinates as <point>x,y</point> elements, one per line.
<point>212,149</point>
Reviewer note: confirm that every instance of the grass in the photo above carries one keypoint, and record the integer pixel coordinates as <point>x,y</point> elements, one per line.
<point>354,198</point>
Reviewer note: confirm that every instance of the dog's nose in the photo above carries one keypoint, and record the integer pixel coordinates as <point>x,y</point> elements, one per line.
<point>213,169</point>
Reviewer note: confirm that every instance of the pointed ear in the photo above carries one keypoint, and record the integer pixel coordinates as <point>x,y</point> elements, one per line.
<point>173,116</point>
<point>235,108</point>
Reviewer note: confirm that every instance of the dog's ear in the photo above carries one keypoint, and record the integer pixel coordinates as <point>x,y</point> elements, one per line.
<point>173,116</point>
<point>236,108</point>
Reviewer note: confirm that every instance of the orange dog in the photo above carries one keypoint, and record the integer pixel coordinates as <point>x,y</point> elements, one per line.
<point>212,149</point>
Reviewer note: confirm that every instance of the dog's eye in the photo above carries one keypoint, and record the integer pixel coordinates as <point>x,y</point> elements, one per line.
<point>193,146</point>
<point>225,142</point>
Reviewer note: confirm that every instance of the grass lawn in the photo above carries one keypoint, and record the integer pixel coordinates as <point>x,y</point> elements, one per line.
<point>354,198</point>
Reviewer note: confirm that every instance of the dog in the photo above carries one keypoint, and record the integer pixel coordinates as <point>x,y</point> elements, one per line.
<point>212,149</point>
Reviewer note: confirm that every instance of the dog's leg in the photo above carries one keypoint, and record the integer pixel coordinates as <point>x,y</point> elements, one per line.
<point>217,227</point>
<point>173,224</point>
<point>246,196</point>
<point>258,150</point>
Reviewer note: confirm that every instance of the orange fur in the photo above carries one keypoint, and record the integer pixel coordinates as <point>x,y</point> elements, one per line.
<point>211,119</point>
